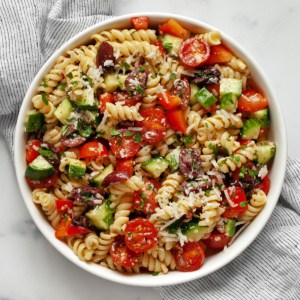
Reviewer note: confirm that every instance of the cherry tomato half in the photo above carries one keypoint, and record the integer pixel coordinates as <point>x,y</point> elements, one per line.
<point>189,257</point>
<point>140,235</point>
<point>217,240</point>
<point>125,165</point>
<point>122,255</point>
<point>265,185</point>
<point>32,150</point>
<point>238,202</point>
<point>124,145</point>
<point>193,52</point>
<point>103,99</point>
<point>92,150</point>
<point>64,205</point>
<point>252,101</point>
<point>139,23</point>
<point>144,200</point>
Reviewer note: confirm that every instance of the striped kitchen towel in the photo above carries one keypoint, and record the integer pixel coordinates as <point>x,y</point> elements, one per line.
<point>268,269</point>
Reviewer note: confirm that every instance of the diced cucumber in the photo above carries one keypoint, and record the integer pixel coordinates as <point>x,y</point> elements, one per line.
<point>77,168</point>
<point>111,82</point>
<point>194,90</point>
<point>263,116</point>
<point>35,121</point>
<point>88,101</point>
<point>98,179</point>
<point>63,111</point>
<point>122,78</point>
<point>206,98</point>
<point>173,159</point>
<point>250,129</point>
<point>39,169</point>
<point>171,43</point>
<point>193,231</point>
<point>265,150</point>
<point>173,228</point>
<point>101,216</point>
<point>155,166</point>
<point>230,85</point>
<point>229,102</point>
<point>230,227</point>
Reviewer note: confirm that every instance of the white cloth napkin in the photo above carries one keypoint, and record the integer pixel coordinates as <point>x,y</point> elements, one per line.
<point>268,269</point>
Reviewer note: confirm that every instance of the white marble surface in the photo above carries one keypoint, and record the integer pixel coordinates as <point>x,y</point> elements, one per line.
<point>30,267</point>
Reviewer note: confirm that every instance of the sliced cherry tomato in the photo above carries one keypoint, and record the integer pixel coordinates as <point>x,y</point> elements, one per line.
<point>160,48</point>
<point>190,257</point>
<point>244,142</point>
<point>144,200</point>
<point>124,145</point>
<point>65,228</point>
<point>265,185</point>
<point>64,205</point>
<point>219,55</point>
<point>43,183</point>
<point>252,101</point>
<point>154,125</point>
<point>103,99</point>
<point>122,255</point>
<point>140,235</point>
<point>156,185</point>
<point>92,150</point>
<point>139,23</point>
<point>174,28</point>
<point>125,165</point>
<point>168,101</point>
<point>238,202</point>
<point>125,98</point>
<point>193,52</point>
<point>217,240</point>
<point>176,120</point>
<point>32,150</point>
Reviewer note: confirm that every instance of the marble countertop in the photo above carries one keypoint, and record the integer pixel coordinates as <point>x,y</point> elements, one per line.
<point>30,267</point>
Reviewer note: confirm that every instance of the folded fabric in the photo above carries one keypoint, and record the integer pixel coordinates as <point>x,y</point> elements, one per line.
<point>269,268</point>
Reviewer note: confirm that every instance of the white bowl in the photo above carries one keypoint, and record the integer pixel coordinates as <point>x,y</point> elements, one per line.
<point>278,135</point>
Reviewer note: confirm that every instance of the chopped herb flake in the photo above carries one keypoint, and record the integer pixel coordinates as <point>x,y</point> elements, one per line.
<point>44,98</point>
<point>70,75</point>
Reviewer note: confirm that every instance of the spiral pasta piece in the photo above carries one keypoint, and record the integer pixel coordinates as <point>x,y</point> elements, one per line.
<point>44,107</point>
<point>164,256</point>
<point>168,189</point>
<point>152,89</point>
<point>121,216</point>
<point>193,119</point>
<point>163,146</point>
<point>229,142</point>
<point>56,74</point>
<point>142,156</point>
<point>257,203</point>
<point>237,64</point>
<point>231,163</point>
<point>91,240</point>
<point>212,38</point>
<point>53,136</point>
<point>79,247</point>
<point>208,154</point>
<point>153,264</point>
<point>48,204</point>
<point>103,248</point>
<point>123,113</point>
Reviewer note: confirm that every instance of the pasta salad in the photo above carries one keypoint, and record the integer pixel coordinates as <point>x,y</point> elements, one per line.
<point>147,148</point>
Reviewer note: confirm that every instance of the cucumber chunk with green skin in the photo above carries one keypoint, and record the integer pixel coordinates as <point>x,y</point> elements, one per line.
<point>230,85</point>
<point>171,43</point>
<point>250,129</point>
<point>64,111</point>
<point>173,159</point>
<point>98,179</point>
<point>101,216</point>
<point>39,169</point>
<point>263,116</point>
<point>77,168</point>
<point>230,227</point>
<point>88,101</point>
<point>194,91</point>
<point>206,98</point>
<point>229,102</point>
<point>35,122</point>
<point>265,150</point>
<point>111,81</point>
<point>155,166</point>
<point>193,231</point>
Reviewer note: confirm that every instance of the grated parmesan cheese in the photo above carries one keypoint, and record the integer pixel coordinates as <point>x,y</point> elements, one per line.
<point>263,172</point>
<point>229,200</point>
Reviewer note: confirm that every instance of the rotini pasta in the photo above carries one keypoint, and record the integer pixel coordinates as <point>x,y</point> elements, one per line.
<point>140,148</point>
